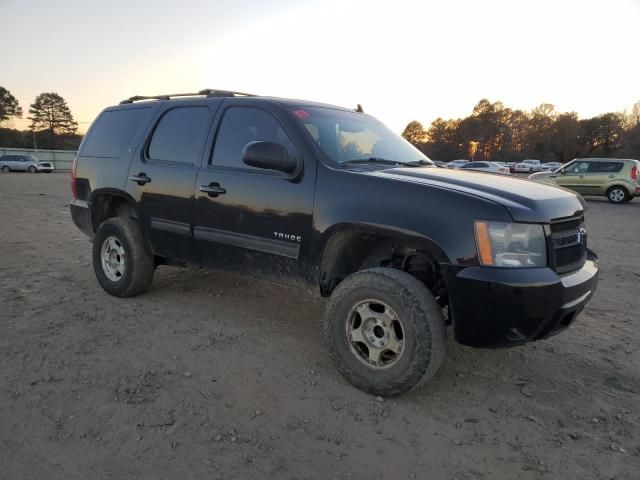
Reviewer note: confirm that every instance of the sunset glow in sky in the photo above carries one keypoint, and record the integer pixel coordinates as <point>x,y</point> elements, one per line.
<point>402,60</point>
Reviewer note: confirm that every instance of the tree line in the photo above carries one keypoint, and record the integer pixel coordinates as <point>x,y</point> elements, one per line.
<point>495,132</point>
<point>52,124</point>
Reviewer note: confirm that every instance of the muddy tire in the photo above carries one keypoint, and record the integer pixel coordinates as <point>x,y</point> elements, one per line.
<point>385,331</point>
<point>121,261</point>
<point>618,195</point>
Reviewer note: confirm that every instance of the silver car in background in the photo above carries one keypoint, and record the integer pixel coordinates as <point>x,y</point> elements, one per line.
<point>23,163</point>
<point>490,167</point>
<point>456,164</point>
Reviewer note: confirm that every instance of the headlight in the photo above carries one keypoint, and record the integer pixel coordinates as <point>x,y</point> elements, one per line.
<point>503,244</point>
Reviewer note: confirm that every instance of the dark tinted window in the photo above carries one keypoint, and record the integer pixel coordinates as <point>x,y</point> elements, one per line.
<point>113,132</point>
<point>605,167</point>
<point>179,135</point>
<point>474,165</point>
<point>241,125</point>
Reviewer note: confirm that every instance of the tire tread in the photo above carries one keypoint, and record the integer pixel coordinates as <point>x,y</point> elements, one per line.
<point>426,317</point>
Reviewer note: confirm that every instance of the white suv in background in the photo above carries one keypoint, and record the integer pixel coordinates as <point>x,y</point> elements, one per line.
<point>528,166</point>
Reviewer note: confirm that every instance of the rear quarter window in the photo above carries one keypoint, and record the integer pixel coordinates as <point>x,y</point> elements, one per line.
<point>605,167</point>
<point>113,132</point>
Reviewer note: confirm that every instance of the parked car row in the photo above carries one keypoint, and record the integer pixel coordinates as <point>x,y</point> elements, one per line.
<point>617,179</point>
<point>492,167</point>
<point>526,166</point>
<point>24,163</point>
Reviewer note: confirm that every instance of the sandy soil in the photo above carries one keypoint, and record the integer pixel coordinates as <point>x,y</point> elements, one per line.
<point>210,375</point>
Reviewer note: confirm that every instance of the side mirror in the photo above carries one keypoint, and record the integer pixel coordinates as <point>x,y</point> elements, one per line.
<point>270,156</point>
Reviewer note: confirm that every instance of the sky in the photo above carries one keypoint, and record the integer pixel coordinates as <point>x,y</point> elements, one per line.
<point>402,60</point>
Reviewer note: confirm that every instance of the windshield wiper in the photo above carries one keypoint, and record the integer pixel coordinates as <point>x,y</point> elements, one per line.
<point>373,160</point>
<point>420,163</point>
<point>378,160</point>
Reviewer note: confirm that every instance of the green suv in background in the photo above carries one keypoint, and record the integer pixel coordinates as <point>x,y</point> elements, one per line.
<point>616,178</point>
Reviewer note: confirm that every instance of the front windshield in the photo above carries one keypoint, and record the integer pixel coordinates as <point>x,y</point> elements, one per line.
<point>352,136</point>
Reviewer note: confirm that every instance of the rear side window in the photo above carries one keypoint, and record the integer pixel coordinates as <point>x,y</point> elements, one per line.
<point>241,125</point>
<point>113,132</point>
<point>179,135</point>
<point>605,167</point>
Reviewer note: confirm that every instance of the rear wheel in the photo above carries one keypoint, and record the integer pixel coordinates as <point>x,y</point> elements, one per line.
<point>6,169</point>
<point>618,195</point>
<point>32,169</point>
<point>122,264</point>
<point>385,331</point>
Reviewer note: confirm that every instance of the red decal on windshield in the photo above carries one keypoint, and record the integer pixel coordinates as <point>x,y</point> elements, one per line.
<point>301,114</point>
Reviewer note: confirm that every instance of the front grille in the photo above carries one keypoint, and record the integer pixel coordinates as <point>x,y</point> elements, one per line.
<point>568,245</point>
<point>45,164</point>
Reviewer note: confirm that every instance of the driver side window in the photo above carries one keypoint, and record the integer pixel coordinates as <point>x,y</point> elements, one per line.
<point>240,126</point>
<point>578,167</point>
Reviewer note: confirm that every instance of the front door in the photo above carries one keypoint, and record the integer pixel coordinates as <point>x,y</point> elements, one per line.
<point>249,219</point>
<point>574,177</point>
<point>162,177</point>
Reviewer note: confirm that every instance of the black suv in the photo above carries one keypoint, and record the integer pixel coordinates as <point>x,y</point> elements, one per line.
<point>327,197</point>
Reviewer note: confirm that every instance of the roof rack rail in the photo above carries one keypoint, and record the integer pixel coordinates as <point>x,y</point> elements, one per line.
<point>208,92</point>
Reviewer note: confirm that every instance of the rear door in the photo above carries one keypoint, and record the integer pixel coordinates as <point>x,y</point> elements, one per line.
<point>601,174</point>
<point>163,173</point>
<point>260,220</point>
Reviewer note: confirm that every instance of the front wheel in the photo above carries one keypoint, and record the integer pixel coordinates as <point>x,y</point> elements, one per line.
<point>385,331</point>
<point>32,169</point>
<point>617,195</point>
<point>121,261</point>
<point>6,169</point>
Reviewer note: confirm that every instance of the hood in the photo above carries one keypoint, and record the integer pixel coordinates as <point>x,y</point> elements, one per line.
<point>525,200</point>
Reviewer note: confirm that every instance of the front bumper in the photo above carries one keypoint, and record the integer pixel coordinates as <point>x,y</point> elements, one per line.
<point>502,307</point>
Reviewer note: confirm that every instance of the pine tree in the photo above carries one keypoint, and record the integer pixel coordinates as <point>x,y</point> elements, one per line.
<point>8,105</point>
<point>50,112</point>
<point>415,133</point>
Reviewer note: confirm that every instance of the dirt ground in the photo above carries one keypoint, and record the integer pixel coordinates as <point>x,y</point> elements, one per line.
<point>210,375</point>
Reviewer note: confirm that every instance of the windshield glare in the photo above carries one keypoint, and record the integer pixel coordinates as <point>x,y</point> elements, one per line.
<point>347,136</point>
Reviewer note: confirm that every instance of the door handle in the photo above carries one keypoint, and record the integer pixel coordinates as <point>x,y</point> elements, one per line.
<point>140,179</point>
<point>213,189</point>
<point>581,176</point>
<point>612,176</point>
